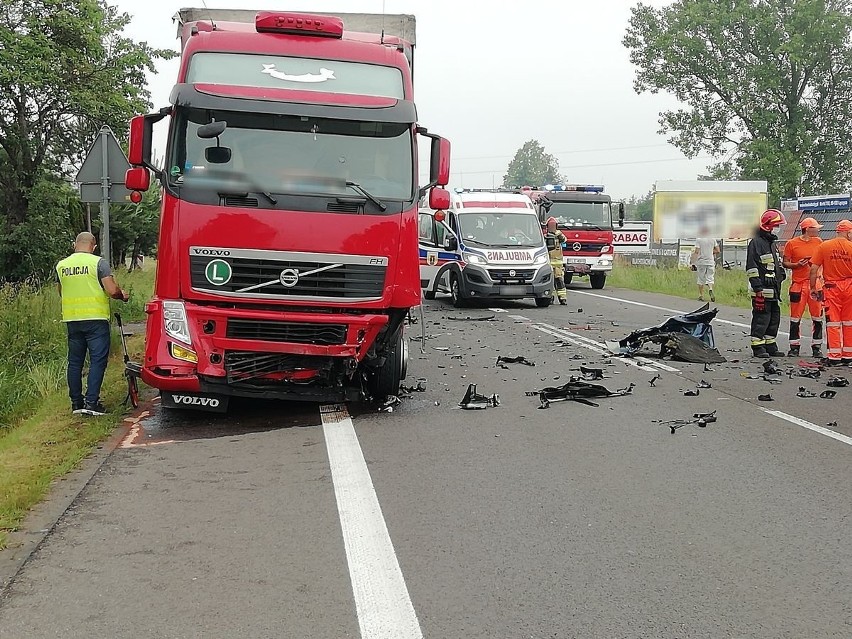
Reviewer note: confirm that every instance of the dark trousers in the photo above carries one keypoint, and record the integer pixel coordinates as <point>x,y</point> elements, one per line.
<point>90,336</point>
<point>765,323</point>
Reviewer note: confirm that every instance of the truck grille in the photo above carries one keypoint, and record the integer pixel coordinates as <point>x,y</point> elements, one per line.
<point>246,365</point>
<point>568,248</point>
<point>295,332</point>
<point>278,274</point>
<point>498,274</point>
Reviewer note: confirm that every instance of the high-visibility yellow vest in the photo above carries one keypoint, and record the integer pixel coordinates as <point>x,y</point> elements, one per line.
<point>83,298</point>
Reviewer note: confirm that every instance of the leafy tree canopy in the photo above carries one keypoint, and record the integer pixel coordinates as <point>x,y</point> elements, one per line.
<point>766,84</point>
<point>532,166</point>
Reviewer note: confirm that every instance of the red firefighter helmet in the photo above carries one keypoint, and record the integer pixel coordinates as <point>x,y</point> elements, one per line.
<point>771,219</point>
<point>549,220</point>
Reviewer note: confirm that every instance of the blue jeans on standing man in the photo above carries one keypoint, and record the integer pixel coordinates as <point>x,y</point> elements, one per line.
<point>92,336</point>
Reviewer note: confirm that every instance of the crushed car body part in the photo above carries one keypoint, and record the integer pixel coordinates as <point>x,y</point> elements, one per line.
<point>684,338</point>
<point>837,382</point>
<point>578,390</point>
<point>474,401</point>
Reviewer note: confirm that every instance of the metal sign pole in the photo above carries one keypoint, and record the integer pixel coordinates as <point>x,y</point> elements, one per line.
<point>105,248</point>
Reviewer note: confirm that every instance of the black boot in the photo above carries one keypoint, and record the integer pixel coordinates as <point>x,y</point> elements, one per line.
<point>772,350</point>
<point>817,351</point>
<point>760,351</point>
<point>794,351</point>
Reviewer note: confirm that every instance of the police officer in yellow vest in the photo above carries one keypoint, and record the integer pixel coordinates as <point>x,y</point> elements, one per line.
<point>85,285</point>
<point>554,238</point>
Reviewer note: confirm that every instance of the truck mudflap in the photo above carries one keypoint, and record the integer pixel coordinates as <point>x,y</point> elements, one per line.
<point>195,401</point>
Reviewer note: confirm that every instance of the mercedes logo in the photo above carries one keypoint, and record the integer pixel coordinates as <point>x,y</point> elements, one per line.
<point>576,246</point>
<point>511,273</point>
<point>289,277</point>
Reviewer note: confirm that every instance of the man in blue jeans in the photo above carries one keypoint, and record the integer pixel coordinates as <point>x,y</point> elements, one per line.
<point>85,285</point>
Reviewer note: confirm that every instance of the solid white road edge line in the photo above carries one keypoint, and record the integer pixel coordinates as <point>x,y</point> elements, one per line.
<point>662,308</point>
<point>382,602</point>
<point>810,426</point>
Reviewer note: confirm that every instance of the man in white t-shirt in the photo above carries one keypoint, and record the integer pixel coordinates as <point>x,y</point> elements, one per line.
<point>704,264</point>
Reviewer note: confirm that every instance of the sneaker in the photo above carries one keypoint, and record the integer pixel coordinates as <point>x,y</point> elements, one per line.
<point>76,407</point>
<point>712,296</point>
<point>95,409</point>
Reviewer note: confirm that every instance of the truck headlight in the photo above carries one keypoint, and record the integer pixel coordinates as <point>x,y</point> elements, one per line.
<point>175,322</point>
<point>540,259</point>
<point>604,262</point>
<point>472,258</point>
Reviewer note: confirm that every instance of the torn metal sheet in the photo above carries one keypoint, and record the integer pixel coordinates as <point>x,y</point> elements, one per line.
<point>474,401</point>
<point>577,390</point>
<point>684,338</point>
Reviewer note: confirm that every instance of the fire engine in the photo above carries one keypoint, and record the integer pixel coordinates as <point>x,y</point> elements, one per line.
<point>287,256</point>
<point>584,213</point>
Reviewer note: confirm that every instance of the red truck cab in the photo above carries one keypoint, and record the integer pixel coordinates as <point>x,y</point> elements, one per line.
<point>287,255</point>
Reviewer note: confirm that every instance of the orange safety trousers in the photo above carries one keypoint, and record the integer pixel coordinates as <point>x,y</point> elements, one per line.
<point>800,299</point>
<point>838,304</point>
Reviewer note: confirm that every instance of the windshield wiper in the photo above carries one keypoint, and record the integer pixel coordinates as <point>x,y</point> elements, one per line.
<point>357,187</point>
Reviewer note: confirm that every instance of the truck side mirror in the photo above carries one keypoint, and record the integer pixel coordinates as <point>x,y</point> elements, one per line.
<point>137,179</point>
<point>141,136</point>
<point>451,243</point>
<point>621,214</point>
<point>440,168</point>
<point>439,199</point>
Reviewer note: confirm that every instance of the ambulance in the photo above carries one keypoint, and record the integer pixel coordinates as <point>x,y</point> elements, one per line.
<point>488,245</point>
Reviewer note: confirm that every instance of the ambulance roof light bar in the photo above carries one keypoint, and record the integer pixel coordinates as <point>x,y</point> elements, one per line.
<point>583,188</point>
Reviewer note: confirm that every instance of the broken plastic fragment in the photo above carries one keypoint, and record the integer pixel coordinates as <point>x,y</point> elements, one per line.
<point>804,392</point>
<point>837,382</point>
<point>765,398</point>
<point>703,384</point>
<point>591,374</point>
<point>692,392</point>
<point>654,379</point>
<point>828,394</point>
<point>391,401</point>
<point>520,359</point>
<point>474,401</point>
<point>577,390</point>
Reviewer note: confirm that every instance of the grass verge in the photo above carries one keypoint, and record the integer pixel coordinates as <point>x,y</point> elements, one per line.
<point>40,439</point>
<point>731,287</point>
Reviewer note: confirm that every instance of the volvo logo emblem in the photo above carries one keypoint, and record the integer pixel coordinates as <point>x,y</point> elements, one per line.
<point>511,273</point>
<point>576,246</point>
<point>289,277</point>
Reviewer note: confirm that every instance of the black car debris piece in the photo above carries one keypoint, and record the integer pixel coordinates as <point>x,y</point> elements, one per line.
<point>699,419</point>
<point>765,398</point>
<point>591,374</point>
<point>474,401</point>
<point>520,359</point>
<point>577,390</point>
<point>804,392</point>
<point>828,394</point>
<point>837,382</point>
<point>683,338</point>
<point>654,379</point>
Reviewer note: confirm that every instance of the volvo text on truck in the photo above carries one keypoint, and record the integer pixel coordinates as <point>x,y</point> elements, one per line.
<point>287,256</point>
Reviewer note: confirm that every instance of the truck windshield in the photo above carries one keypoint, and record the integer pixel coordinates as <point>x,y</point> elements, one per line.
<point>500,229</point>
<point>293,155</point>
<point>582,215</point>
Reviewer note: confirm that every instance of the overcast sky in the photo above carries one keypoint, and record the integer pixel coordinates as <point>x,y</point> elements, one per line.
<point>489,79</point>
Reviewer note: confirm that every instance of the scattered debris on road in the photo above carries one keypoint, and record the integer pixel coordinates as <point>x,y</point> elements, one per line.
<point>691,392</point>
<point>474,401</point>
<point>765,398</point>
<point>391,402</point>
<point>520,359</point>
<point>654,379</point>
<point>828,394</point>
<point>577,390</point>
<point>804,392</point>
<point>699,419</point>
<point>591,374</point>
<point>419,388</point>
<point>703,384</point>
<point>837,382</point>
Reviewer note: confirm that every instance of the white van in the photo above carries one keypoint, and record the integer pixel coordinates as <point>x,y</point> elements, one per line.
<point>488,246</point>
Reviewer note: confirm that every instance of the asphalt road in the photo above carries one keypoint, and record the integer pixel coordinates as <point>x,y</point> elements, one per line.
<point>510,522</point>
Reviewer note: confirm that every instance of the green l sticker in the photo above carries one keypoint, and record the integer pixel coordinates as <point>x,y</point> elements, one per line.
<point>218,272</point>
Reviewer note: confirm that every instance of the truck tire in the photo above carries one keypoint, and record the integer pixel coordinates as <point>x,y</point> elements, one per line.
<point>597,280</point>
<point>543,302</point>
<point>386,380</point>
<point>429,295</point>
<point>456,292</point>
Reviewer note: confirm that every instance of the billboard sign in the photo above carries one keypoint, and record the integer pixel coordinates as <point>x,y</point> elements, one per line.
<point>721,209</point>
<point>633,237</point>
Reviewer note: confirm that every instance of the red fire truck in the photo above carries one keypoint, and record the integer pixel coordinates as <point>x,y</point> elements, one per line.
<point>584,213</point>
<point>287,256</point>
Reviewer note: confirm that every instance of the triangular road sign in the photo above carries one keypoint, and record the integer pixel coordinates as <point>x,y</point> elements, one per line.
<point>91,174</point>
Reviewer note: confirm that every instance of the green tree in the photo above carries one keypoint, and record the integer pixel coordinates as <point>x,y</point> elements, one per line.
<point>531,166</point>
<point>767,86</point>
<point>65,70</point>
<point>640,208</point>
<point>134,228</point>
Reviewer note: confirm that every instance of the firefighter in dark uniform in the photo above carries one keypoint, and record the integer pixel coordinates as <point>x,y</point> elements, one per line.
<point>765,273</point>
<point>554,238</point>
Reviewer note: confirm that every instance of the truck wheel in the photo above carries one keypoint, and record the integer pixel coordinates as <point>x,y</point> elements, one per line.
<point>455,291</point>
<point>429,295</point>
<point>386,380</point>
<point>543,302</point>
<point>597,280</point>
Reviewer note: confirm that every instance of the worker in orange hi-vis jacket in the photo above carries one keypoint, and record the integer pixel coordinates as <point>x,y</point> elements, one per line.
<point>835,258</point>
<point>798,253</point>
